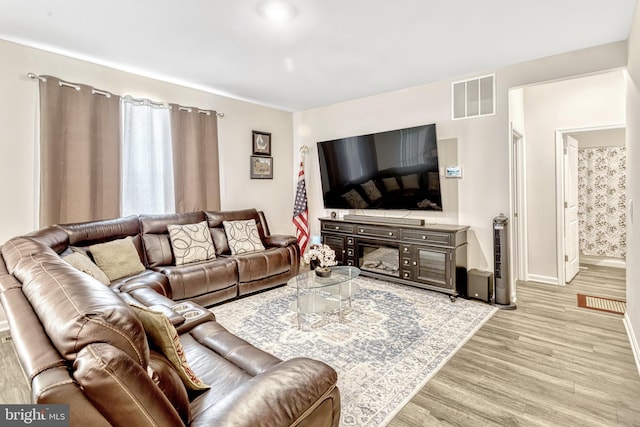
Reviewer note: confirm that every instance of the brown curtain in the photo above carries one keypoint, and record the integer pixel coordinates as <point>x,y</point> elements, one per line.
<point>194,136</point>
<point>79,153</point>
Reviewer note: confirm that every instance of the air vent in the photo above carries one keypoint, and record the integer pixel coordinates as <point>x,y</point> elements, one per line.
<point>473,98</point>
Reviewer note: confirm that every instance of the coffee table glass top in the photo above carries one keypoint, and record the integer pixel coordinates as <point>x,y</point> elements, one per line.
<point>315,294</point>
<point>309,280</point>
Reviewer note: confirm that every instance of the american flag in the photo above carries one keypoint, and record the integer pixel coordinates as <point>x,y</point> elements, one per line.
<point>301,212</point>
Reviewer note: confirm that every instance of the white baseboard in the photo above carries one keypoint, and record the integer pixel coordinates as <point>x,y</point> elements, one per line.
<point>542,279</point>
<point>603,261</point>
<point>635,347</point>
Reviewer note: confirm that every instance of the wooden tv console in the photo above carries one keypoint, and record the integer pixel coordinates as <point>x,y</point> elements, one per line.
<point>431,256</point>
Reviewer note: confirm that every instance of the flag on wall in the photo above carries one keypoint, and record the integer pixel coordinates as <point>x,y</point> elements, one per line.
<point>301,212</point>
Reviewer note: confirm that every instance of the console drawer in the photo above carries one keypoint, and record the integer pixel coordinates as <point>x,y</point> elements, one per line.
<point>338,227</point>
<point>433,237</point>
<point>389,233</point>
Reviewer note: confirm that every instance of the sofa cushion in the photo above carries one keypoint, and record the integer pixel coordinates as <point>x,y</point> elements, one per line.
<point>85,312</point>
<point>84,264</point>
<point>155,235</point>
<point>243,236</point>
<point>198,278</point>
<point>121,389</point>
<point>165,338</point>
<point>167,379</point>
<point>118,258</point>
<point>191,242</point>
<point>258,265</point>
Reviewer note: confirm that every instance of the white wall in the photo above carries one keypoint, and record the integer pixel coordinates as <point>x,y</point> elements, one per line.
<point>483,143</point>
<point>596,100</point>
<point>18,124</point>
<point>632,317</point>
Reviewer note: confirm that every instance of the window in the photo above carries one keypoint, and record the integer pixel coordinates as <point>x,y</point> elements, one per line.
<point>147,159</point>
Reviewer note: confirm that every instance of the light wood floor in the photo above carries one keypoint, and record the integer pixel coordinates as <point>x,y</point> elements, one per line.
<point>548,363</point>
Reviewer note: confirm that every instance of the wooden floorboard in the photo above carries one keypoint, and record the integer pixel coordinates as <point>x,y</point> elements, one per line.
<point>547,363</point>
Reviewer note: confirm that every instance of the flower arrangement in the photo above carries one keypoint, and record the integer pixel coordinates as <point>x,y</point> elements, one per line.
<point>323,256</point>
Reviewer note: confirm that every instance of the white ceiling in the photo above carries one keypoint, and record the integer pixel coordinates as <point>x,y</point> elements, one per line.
<point>331,51</point>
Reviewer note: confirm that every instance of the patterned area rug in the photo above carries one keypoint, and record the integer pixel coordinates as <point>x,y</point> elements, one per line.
<point>389,344</point>
<point>602,304</point>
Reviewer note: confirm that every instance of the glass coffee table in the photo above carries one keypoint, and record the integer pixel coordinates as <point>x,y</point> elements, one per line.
<point>315,294</point>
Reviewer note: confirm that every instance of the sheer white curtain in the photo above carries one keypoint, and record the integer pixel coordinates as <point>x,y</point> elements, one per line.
<point>147,159</point>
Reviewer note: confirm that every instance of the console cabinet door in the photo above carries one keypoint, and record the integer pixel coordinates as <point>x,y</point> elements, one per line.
<point>432,266</point>
<point>343,247</point>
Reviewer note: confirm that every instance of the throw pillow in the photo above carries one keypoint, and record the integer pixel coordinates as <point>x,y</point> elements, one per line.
<point>354,199</point>
<point>191,242</point>
<point>371,190</point>
<point>83,263</point>
<point>390,184</point>
<point>165,338</point>
<point>243,236</point>
<point>118,258</point>
<point>410,182</point>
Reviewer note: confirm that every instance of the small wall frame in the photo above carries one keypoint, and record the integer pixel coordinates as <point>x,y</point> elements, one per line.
<point>261,167</point>
<point>261,143</point>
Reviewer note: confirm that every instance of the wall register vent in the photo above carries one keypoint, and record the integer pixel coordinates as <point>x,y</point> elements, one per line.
<point>474,97</point>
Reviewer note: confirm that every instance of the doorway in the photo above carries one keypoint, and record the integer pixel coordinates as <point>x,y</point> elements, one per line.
<point>591,198</point>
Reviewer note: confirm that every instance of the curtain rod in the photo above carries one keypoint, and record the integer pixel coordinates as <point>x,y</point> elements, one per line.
<point>34,76</point>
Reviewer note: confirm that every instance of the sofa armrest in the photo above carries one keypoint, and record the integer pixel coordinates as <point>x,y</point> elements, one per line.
<point>281,396</point>
<point>279,240</point>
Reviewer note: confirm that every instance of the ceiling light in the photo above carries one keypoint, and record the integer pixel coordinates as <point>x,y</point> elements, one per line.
<point>276,10</point>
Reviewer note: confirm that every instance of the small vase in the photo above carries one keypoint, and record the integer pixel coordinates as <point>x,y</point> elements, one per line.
<point>313,264</point>
<point>323,272</point>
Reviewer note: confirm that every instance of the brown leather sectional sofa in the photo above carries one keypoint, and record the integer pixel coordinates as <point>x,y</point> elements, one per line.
<point>79,342</point>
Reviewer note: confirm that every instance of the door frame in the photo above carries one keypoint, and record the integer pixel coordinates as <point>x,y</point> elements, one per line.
<point>518,161</point>
<point>560,176</point>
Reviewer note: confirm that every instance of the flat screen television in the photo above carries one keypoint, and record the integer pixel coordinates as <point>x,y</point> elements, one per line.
<point>397,169</point>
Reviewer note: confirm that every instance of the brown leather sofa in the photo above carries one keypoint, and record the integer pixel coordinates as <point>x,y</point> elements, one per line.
<point>79,342</point>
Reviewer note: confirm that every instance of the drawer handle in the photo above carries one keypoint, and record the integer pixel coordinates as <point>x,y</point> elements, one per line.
<point>415,263</point>
<point>424,237</point>
<point>391,233</point>
<point>406,249</point>
<point>362,230</point>
<point>337,227</point>
<point>406,262</point>
<point>406,275</point>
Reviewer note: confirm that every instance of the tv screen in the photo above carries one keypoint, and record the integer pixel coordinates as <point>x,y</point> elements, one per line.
<point>397,169</point>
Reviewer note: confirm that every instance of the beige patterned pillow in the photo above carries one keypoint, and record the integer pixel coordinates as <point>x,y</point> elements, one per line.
<point>243,236</point>
<point>165,338</point>
<point>118,258</point>
<point>354,199</point>
<point>390,184</point>
<point>83,263</point>
<point>191,242</point>
<point>371,190</point>
<point>410,182</point>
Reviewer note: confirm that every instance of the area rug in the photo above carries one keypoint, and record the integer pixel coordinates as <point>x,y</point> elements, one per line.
<point>602,304</point>
<point>391,341</point>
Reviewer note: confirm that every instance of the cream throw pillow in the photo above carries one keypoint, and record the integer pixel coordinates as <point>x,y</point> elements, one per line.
<point>371,190</point>
<point>165,338</point>
<point>83,263</point>
<point>243,236</point>
<point>118,258</point>
<point>191,242</point>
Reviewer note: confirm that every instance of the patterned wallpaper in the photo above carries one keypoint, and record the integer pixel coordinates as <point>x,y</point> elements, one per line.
<point>602,201</point>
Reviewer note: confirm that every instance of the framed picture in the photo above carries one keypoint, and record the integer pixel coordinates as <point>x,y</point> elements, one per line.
<point>261,167</point>
<point>261,143</point>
